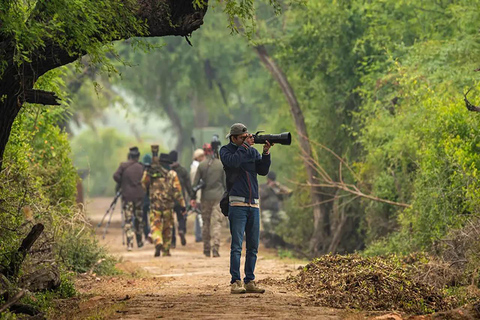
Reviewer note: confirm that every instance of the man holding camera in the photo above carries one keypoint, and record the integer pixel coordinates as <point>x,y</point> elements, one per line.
<point>210,173</point>
<point>242,163</point>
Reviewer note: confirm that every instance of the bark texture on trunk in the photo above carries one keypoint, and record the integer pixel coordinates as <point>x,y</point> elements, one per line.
<point>200,112</point>
<point>177,126</point>
<point>317,241</point>
<point>163,17</point>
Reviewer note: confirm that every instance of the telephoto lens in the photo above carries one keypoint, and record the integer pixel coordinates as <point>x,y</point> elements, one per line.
<point>284,138</point>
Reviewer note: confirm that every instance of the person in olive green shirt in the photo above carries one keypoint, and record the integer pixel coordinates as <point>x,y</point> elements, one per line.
<point>211,172</point>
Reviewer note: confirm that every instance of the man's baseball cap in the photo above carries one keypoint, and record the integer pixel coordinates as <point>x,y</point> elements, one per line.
<point>237,129</point>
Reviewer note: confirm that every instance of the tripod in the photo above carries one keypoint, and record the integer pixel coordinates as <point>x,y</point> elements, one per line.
<point>110,211</point>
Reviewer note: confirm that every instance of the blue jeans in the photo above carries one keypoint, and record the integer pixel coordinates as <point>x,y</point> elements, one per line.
<point>244,220</point>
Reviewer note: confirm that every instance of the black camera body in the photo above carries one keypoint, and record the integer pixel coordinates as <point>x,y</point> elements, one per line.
<point>216,144</point>
<point>284,138</point>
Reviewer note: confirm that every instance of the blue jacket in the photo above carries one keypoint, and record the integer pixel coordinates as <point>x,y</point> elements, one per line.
<point>248,162</point>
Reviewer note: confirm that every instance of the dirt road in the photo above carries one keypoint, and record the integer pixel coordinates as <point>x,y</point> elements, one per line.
<point>189,285</point>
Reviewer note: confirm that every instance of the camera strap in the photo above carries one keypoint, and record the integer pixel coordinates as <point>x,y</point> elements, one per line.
<point>206,172</point>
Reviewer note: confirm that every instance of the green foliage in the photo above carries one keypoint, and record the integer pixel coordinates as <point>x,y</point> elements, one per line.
<point>285,254</point>
<point>81,252</point>
<point>38,185</point>
<point>43,301</point>
<point>77,26</point>
<point>39,181</point>
<point>380,84</point>
<point>423,148</point>
<point>100,153</point>
<point>8,316</point>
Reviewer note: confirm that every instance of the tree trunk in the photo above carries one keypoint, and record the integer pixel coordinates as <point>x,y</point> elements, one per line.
<point>318,239</point>
<point>7,117</point>
<point>163,17</point>
<point>177,126</point>
<point>200,112</point>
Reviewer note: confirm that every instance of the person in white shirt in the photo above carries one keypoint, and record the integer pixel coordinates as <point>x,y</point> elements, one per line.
<point>198,156</point>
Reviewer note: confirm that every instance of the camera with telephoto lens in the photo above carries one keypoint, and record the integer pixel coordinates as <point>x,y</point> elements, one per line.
<point>215,144</point>
<point>284,138</point>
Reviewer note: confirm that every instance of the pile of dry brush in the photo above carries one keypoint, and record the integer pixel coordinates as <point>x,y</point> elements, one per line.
<point>415,284</point>
<point>369,283</point>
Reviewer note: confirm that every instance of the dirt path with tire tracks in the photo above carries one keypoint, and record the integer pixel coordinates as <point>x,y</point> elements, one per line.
<point>189,285</point>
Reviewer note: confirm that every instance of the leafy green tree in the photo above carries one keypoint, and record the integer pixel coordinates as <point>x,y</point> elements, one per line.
<point>38,36</point>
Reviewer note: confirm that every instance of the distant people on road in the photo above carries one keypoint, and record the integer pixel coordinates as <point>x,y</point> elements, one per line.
<point>198,156</point>
<point>242,163</point>
<point>128,177</point>
<point>187,192</point>
<point>272,195</point>
<point>165,191</point>
<point>210,173</point>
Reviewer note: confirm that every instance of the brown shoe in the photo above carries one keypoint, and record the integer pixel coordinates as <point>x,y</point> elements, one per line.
<point>237,287</point>
<point>215,253</point>
<point>251,287</point>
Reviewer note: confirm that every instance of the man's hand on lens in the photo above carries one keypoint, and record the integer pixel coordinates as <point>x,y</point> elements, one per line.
<point>266,147</point>
<point>193,203</point>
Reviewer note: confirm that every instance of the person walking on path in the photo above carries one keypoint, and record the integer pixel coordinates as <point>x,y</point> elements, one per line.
<point>147,161</point>
<point>272,195</point>
<point>242,163</point>
<point>187,192</point>
<point>165,190</point>
<point>198,157</point>
<point>210,171</point>
<point>128,177</point>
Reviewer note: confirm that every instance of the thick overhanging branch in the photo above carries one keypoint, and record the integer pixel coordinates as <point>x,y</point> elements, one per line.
<point>162,18</point>
<point>41,97</point>
<point>171,17</point>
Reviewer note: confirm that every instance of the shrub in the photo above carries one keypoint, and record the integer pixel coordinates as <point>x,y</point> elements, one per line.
<point>81,252</point>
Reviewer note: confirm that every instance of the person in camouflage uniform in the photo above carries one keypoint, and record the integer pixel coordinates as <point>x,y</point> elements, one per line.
<point>128,177</point>
<point>272,195</point>
<point>165,190</point>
